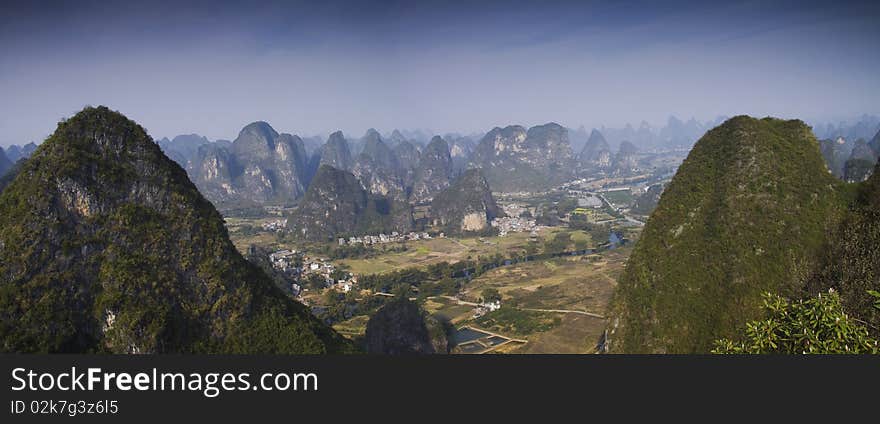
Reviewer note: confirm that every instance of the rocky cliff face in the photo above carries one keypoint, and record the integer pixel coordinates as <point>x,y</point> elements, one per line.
<point>401,328</point>
<point>514,159</point>
<point>465,206</point>
<point>626,161</point>
<point>259,166</point>
<point>106,246</point>
<point>273,165</point>
<point>396,138</point>
<point>834,153</point>
<point>336,152</point>
<point>337,205</point>
<point>332,205</point>
<point>861,162</point>
<point>183,149</point>
<point>408,157</point>
<point>213,171</point>
<point>434,171</point>
<point>460,149</point>
<point>16,152</point>
<point>379,152</point>
<point>5,163</point>
<point>875,143</point>
<point>596,154</point>
<point>378,170</point>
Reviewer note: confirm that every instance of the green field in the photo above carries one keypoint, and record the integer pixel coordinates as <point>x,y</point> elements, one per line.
<point>620,198</point>
<point>529,290</point>
<point>581,283</point>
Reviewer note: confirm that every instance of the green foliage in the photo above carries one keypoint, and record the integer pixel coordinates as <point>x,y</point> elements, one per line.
<point>565,206</point>
<point>491,295</point>
<point>559,243</point>
<point>314,282</point>
<point>106,246</point>
<point>876,296</point>
<point>517,321</point>
<point>850,263</point>
<point>747,212</point>
<point>817,325</point>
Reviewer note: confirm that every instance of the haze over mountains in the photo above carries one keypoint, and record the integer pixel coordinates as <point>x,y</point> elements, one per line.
<point>5,163</point>
<point>758,205</point>
<point>264,167</point>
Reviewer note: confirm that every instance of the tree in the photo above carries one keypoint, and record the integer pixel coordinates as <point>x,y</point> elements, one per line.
<point>817,325</point>
<point>314,282</point>
<point>565,206</point>
<point>338,274</point>
<point>491,295</point>
<point>402,290</point>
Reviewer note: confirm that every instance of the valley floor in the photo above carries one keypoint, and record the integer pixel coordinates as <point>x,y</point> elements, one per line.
<point>553,305</point>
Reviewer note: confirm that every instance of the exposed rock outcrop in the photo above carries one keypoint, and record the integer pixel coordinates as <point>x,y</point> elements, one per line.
<point>514,159</point>
<point>402,328</point>
<point>434,171</point>
<point>465,206</point>
<point>107,247</point>
<point>337,205</point>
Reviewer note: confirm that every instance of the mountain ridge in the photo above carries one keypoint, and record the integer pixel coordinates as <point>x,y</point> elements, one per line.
<point>106,246</point>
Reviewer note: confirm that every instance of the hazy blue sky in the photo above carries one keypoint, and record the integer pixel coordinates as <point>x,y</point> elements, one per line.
<point>313,67</point>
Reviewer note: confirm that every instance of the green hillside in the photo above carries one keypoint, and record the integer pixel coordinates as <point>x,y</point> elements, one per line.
<point>107,247</point>
<point>746,213</point>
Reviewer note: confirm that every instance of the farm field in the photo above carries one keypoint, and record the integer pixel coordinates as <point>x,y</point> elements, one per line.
<point>555,305</point>
<point>541,302</point>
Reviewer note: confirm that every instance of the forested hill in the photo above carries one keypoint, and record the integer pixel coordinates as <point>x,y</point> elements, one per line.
<point>749,211</point>
<point>106,246</point>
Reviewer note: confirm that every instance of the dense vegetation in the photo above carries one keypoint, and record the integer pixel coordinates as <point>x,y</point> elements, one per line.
<point>336,205</point>
<point>817,325</point>
<point>748,212</point>
<point>517,321</point>
<point>468,194</point>
<point>106,246</point>
<point>401,327</point>
<point>850,262</point>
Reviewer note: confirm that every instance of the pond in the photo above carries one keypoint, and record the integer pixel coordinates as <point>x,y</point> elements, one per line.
<point>614,239</point>
<point>495,340</point>
<point>467,334</point>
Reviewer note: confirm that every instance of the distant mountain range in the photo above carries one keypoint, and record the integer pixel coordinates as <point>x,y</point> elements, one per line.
<point>109,244</point>
<point>5,163</point>
<point>264,167</point>
<point>15,152</point>
<point>863,127</point>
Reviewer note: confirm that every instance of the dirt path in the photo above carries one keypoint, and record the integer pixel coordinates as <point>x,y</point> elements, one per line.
<point>565,311</point>
<point>558,311</point>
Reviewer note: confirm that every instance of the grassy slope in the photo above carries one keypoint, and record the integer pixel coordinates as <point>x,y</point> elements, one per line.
<point>152,250</point>
<point>747,212</point>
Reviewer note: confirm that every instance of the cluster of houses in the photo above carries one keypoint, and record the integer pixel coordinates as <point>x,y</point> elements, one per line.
<point>515,222</point>
<point>514,209</point>
<point>485,308</point>
<point>283,260</point>
<point>276,225</point>
<point>386,238</point>
<point>287,262</point>
<point>514,225</point>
